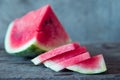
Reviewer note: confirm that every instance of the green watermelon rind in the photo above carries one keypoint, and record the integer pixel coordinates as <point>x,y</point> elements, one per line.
<point>30,51</point>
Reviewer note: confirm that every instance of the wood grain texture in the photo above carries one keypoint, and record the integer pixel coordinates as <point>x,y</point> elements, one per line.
<point>12,67</point>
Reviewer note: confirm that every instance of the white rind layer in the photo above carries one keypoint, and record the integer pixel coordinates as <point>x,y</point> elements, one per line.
<point>36,61</point>
<point>9,48</point>
<point>53,65</point>
<point>83,70</point>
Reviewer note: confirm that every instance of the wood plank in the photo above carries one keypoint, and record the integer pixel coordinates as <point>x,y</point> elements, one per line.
<point>21,68</point>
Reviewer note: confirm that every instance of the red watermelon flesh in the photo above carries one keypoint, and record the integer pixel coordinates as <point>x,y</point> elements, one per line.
<point>55,52</point>
<point>51,30</point>
<point>25,28</point>
<point>40,28</point>
<point>68,54</point>
<point>93,65</point>
<point>60,65</point>
<point>65,56</point>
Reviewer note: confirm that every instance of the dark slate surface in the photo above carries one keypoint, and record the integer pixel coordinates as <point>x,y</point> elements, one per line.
<point>87,21</point>
<point>18,68</point>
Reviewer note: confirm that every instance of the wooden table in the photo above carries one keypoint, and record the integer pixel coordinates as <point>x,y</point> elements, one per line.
<point>18,68</point>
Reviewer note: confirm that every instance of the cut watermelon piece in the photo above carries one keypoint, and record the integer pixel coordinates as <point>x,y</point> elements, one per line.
<point>55,52</point>
<point>65,56</point>
<point>36,31</point>
<point>94,65</point>
<point>59,63</point>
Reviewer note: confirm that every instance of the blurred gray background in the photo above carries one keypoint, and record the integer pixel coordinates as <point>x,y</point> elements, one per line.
<point>86,21</point>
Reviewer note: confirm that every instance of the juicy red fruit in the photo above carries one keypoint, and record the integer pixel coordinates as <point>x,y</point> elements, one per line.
<point>69,54</point>
<point>58,51</point>
<point>91,63</point>
<point>41,25</point>
<point>49,28</point>
<point>24,29</point>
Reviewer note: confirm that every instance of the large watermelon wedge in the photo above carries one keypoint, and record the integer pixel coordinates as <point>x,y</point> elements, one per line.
<point>93,65</point>
<point>35,32</point>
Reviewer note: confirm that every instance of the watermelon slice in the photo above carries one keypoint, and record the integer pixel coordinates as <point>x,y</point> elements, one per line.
<point>94,65</point>
<point>60,62</point>
<point>55,52</point>
<point>35,32</point>
<point>66,55</point>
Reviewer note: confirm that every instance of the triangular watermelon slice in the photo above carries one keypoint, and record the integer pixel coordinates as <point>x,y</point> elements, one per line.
<point>55,52</point>
<point>36,31</point>
<point>94,65</point>
<point>60,62</point>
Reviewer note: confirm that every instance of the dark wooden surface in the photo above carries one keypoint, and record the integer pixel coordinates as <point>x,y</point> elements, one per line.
<point>18,68</point>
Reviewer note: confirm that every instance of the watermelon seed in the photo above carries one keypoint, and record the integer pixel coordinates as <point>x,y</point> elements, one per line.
<point>46,22</point>
<point>49,21</point>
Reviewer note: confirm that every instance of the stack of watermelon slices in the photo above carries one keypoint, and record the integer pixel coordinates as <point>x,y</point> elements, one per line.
<point>73,57</point>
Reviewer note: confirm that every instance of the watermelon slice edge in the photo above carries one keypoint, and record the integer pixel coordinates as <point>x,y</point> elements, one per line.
<point>57,66</point>
<point>94,65</point>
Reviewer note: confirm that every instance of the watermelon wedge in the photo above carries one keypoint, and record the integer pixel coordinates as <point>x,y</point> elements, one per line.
<point>94,65</point>
<point>58,64</point>
<point>55,52</point>
<point>37,31</point>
